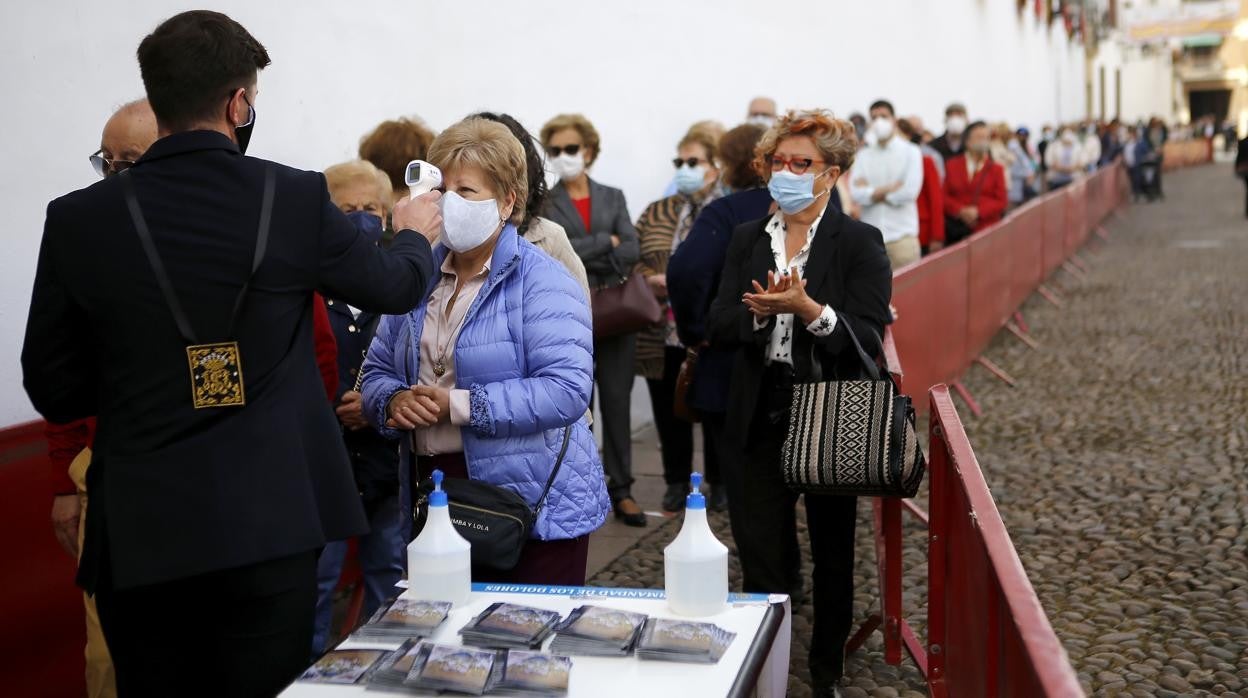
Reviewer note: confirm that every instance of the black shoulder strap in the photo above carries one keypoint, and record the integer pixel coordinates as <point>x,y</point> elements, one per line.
<point>868,364</point>
<point>563,450</point>
<point>158,266</point>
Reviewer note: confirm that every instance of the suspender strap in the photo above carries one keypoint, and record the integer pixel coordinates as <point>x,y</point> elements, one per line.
<point>158,266</point>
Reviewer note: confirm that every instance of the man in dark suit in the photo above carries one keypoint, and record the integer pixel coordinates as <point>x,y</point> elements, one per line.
<point>173,301</point>
<point>1241,168</point>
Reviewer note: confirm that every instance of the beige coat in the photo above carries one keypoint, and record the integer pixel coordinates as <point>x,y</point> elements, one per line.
<point>551,238</point>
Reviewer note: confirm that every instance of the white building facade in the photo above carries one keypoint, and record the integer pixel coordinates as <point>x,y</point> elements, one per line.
<point>642,70</point>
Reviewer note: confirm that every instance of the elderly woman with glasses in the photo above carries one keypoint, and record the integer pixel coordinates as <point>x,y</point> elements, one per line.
<point>791,284</point>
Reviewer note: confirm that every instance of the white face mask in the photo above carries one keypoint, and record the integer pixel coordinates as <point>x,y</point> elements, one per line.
<point>762,120</point>
<point>467,224</point>
<point>882,128</point>
<point>568,166</point>
<point>956,125</point>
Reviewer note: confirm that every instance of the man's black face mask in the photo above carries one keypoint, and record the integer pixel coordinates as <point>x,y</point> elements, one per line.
<point>242,133</point>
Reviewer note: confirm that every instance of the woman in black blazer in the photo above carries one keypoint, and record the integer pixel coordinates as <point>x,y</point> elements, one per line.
<point>596,219</point>
<point>790,284</point>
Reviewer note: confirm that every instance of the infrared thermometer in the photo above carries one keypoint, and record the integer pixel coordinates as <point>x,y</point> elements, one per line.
<point>422,177</point>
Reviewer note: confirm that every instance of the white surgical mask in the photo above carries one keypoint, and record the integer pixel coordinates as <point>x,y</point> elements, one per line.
<point>467,224</point>
<point>762,120</point>
<point>882,128</point>
<point>568,166</point>
<point>956,125</point>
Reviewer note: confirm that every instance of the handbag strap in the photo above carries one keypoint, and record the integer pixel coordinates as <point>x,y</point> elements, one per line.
<point>563,450</point>
<point>870,365</point>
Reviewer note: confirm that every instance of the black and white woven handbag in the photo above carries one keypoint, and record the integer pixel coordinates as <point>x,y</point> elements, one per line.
<point>852,437</point>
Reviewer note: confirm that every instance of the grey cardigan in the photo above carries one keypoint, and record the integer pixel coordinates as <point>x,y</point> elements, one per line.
<point>608,215</point>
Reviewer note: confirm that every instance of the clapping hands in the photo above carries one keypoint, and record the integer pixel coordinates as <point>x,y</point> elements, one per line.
<point>785,293</point>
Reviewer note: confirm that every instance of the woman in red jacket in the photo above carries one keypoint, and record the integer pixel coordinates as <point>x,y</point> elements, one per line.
<point>975,191</point>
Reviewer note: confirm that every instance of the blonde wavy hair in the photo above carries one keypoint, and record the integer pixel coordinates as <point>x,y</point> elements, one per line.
<point>834,138</point>
<point>490,146</point>
<point>345,174</point>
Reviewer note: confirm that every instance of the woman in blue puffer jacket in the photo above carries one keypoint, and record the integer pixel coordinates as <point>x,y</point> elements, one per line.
<point>492,368</point>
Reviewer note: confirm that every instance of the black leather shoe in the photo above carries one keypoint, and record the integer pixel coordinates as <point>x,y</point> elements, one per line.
<point>718,501</point>
<point>635,518</point>
<point>674,498</point>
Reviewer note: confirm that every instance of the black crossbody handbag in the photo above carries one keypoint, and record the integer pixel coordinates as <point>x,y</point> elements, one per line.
<point>493,519</point>
<point>852,437</point>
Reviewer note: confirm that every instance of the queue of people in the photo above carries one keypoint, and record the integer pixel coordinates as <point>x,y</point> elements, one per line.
<point>372,337</point>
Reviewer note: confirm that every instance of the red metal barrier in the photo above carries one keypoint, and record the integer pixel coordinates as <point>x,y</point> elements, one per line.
<point>931,298</point>
<point>1054,232</point>
<point>1176,154</point>
<point>952,303</point>
<point>1076,217</point>
<point>41,619</point>
<point>987,633</point>
<point>990,272</point>
<point>1026,244</point>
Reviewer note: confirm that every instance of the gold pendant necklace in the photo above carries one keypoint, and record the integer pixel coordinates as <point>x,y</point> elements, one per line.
<point>439,363</point>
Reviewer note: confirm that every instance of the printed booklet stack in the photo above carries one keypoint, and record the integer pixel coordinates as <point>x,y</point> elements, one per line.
<point>403,619</point>
<point>421,668</point>
<point>509,626</point>
<point>683,641</point>
<point>597,631</point>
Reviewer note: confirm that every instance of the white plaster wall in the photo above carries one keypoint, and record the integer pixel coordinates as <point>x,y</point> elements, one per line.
<point>643,70</point>
<point>1146,81</point>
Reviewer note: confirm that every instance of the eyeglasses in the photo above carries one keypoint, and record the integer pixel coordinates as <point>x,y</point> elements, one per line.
<point>555,150</point>
<point>795,165</point>
<point>691,162</point>
<point>106,166</point>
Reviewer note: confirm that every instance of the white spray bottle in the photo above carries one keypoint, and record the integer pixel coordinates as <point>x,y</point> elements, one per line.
<point>695,564</point>
<point>439,561</point>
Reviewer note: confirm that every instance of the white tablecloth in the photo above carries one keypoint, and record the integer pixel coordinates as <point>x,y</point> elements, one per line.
<point>626,677</point>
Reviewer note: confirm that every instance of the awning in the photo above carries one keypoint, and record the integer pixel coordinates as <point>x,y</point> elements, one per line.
<point>1201,40</point>
<point>1183,29</point>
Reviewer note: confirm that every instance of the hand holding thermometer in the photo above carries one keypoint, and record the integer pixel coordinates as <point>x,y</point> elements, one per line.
<point>422,177</point>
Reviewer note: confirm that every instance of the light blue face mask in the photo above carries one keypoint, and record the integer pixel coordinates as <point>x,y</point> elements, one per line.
<point>793,193</point>
<point>690,179</point>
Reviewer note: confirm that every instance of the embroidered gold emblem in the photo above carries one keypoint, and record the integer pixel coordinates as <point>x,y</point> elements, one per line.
<point>216,375</point>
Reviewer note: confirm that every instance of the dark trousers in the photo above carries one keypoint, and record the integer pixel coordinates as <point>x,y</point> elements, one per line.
<point>762,513</point>
<point>613,373</point>
<point>559,562</point>
<point>675,434</point>
<point>239,632</point>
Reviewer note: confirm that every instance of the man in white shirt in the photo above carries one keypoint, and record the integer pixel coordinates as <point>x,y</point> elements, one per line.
<point>885,182</point>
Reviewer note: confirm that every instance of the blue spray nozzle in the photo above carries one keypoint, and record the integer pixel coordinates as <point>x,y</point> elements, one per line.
<point>437,498</point>
<point>695,500</point>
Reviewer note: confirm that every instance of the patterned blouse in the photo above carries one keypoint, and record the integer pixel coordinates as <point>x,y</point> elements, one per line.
<point>663,226</point>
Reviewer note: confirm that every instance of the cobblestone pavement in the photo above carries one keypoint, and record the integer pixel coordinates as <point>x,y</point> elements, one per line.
<point>1118,463</point>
